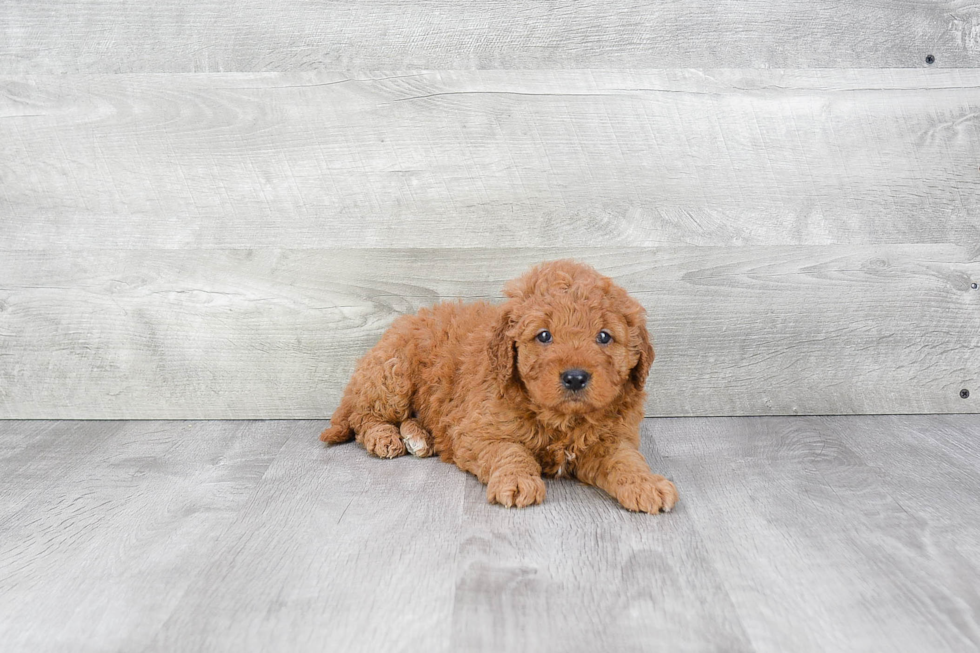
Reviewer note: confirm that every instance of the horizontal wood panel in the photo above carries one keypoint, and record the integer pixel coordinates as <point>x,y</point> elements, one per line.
<point>276,333</point>
<point>443,159</point>
<point>83,36</point>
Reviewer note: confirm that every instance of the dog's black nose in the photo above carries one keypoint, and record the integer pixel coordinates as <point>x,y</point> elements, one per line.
<point>574,379</point>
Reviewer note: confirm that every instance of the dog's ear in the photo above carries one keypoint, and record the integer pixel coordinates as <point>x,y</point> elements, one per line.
<point>501,350</point>
<point>639,345</point>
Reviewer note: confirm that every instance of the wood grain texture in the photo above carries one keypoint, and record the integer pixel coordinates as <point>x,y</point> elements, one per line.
<point>919,459</point>
<point>501,158</point>
<point>86,36</point>
<point>587,571</point>
<point>276,333</point>
<point>805,534</point>
<point>98,557</point>
<point>33,457</point>
<point>335,551</point>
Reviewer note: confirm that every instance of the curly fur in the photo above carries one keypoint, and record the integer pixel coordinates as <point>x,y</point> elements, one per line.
<point>472,383</point>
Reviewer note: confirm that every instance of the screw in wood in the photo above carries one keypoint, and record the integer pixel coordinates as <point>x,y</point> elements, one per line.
<point>930,59</point>
<point>964,393</point>
<point>973,285</point>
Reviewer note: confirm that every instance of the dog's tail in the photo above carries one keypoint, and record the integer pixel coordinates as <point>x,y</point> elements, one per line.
<point>339,429</point>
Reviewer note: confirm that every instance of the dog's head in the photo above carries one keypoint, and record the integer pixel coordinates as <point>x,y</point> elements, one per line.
<point>574,341</point>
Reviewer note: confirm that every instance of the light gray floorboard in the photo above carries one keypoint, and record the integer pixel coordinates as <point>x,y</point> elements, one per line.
<point>814,549</point>
<point>542,158</point>
<point>804,534</point>
<point>930,465</point>
<point>583,574</point>
<point>104,545</point>
<point>334,551</point>
<point>276,333</point>
<point>83,36</point>
<point>37,454</point>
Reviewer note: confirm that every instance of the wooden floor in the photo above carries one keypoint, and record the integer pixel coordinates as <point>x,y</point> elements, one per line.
<point>793,534</point>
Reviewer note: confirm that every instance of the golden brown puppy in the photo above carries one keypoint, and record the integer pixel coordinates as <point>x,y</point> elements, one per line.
<point>550,382</point>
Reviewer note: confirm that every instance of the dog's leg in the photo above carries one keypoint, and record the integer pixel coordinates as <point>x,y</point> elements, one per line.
<point>382,440</point>
<point>622,471</point>
<point>511,474</point>
<point>417,440</point>
<point>376,400</point>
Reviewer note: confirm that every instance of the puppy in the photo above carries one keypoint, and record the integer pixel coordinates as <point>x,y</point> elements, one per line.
<point>549,383</point>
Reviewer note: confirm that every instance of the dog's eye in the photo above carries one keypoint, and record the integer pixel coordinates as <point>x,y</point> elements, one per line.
<point>604,337</point>
<point>544,336</point>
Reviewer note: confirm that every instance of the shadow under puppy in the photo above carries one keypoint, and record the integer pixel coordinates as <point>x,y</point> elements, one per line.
<point>550,382</point>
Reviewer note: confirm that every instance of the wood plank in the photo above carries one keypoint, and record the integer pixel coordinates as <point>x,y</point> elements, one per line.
<point>815,552</point>
<point>35,455</point>
<point>580,573</point>
<point>335,551</point>
<point>509,158</point>
<point>802,534</point>
<point>98,557</point>
<point>931,466</point>
<point>85,36</point>
<point>276,333</point>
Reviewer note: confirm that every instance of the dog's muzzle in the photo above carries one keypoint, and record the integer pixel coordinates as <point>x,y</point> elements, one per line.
<point>575,380</point>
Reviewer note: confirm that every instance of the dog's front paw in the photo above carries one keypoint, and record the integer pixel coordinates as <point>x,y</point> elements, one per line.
<point>646,494</point>
<point>384,441</point>
<point>515,490</point>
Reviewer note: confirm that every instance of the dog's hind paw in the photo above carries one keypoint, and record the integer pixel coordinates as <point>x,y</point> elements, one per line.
<point>417,440</point>
<point>384,441</point>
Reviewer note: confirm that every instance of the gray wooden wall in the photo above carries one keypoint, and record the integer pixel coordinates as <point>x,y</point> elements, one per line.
<point>211,209</point>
